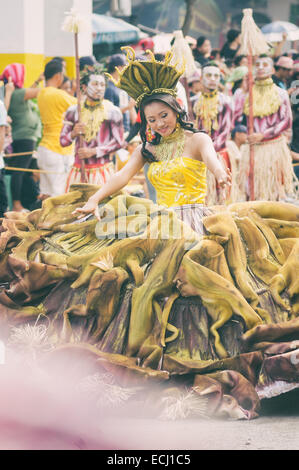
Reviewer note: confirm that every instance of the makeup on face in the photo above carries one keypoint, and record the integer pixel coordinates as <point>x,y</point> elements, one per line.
<point>96,87</point>
<point>161,118</point>
<point>263,67</point>
<point>211,77</point>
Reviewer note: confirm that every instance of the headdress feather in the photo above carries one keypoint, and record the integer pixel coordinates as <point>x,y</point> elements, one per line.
<point>144,78</point>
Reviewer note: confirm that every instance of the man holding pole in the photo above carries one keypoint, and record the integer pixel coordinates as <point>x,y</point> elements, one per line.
<point>98,133</point>
<point>214,115</point>
<point>272,121</point>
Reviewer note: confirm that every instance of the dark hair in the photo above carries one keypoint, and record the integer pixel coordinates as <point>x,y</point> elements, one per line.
<point>200,41</point>
<point>238,128</point>
<point>160,57</point>
<point>237,85</point>
<point>86,73</point>
<point>52,68</point>
<point>232,35</point>
<point>237,59</point>
<point>66,79</point>
<point>116,60</point>
<point>211,63</point>
<point>170,101</point>
<point>86,60</point>
<point>214,53</point>
<point>60,59</point>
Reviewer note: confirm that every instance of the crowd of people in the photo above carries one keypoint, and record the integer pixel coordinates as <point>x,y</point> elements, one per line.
<point>56,142</point>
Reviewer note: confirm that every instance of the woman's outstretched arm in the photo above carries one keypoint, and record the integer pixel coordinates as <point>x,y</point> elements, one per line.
<point>117,181</point>
<point>207,153</point>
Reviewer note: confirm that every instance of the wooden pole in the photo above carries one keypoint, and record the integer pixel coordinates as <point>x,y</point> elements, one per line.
<point>82,169</point>
<point>250,127</point>
<point>190,109</point>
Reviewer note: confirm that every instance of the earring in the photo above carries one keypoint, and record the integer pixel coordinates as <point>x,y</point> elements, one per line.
<point>149,134</point>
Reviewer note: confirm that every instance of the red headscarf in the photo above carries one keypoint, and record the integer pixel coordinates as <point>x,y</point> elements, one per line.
<point>16,72</point>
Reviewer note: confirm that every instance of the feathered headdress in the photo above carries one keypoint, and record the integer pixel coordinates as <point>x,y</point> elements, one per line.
<point>144,78</point>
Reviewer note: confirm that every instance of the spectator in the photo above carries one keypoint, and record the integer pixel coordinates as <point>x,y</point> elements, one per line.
<point>195,86</point>
<point>67,85</point>
<point>87,61</point>
<point>202,52</point>
<point>215,55</point>
<point>30,190</point>
<point>232,45</point>
<point>240,61</point>
<point>3,195</point>
<point>62,61</point>
<point>295,109</point>
<point>117,96</point>
<point>25,125</point>
<point>53,103</point>
<point>231,156</point>
<point>237,78</point>
<point>283,71</point>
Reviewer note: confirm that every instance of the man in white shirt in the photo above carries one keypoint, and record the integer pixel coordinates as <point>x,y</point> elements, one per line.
<point>3,195</point>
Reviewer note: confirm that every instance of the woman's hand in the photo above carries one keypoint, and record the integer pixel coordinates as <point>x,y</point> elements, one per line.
<point>224,182</point>
<point>225,179</point>
<point>91,207</point>
<point>9,87</point>
<point>79,129</point>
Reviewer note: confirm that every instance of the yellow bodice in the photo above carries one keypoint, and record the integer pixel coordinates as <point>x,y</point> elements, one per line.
<point>179,181</point>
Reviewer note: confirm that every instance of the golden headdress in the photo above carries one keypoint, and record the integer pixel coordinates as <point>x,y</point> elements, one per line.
<point>144,78</point>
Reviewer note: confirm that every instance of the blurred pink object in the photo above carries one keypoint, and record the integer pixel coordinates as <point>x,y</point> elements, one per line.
<point>16,72</point>
<point>146,43</point>
<point>195,77</point>
<point>285,62</point>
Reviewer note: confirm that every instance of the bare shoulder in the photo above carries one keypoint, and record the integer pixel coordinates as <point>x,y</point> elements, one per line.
<point>200,138</point>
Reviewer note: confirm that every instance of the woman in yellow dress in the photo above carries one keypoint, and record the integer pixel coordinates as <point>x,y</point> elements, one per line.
<point>178,154</point>
<point>217,318</point>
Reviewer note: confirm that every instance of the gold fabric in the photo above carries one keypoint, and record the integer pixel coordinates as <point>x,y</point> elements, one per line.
<point>144,78</point>
<point>181,180</point>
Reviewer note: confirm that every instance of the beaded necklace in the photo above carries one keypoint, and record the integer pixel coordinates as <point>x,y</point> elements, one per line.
<point>171,146</point>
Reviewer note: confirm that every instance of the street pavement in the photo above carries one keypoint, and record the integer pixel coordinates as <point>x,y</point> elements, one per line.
<point>277,428</point>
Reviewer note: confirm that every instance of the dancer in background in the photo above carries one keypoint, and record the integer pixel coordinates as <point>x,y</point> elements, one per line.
<point>272,123</point>
<point>101,128</point>
<point>214,115</point>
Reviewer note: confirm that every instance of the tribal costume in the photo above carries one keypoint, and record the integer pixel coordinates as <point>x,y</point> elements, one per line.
<point>104,133</point>
<point>273,172</point>
<point>210,320</point>
<point>214,115</point>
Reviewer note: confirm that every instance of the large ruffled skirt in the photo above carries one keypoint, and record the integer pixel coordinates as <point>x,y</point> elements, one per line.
<point>207,322</point>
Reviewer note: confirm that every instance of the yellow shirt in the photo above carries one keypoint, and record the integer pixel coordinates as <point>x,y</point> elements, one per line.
<point>179,181</point>
<point>53,103</point>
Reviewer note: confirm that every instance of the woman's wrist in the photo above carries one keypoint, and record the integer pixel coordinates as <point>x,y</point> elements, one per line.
<point>94,198</point>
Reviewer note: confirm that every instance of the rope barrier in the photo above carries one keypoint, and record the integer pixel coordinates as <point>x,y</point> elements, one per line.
<point>12,168</point>
<point>10,155</point>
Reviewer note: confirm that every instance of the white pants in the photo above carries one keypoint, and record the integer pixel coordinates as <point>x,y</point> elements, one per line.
<point>52,183</point>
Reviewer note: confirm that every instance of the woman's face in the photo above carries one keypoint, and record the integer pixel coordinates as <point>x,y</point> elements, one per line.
<point>161,118</point>
<point>67,86</point>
